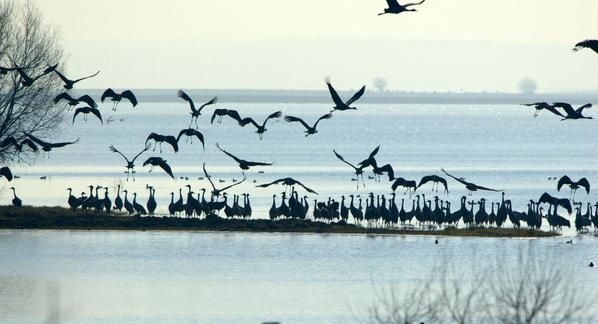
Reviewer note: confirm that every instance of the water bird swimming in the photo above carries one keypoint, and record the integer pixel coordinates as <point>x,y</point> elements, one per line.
<point>338,102</point>
<point>395,8</point>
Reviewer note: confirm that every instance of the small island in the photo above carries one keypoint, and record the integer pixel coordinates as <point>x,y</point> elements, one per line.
<point>59,218</point>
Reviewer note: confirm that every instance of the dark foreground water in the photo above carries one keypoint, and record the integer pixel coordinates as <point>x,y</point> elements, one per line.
<point>174,277</point>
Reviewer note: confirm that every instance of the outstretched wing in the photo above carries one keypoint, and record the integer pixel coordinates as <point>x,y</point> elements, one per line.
<point>374,152</point>
<point>583,182</point>
<point>554,111</point>
<point>340,157</point>
<point>36,140</point>
<point>166,168</point>
<point>63,96</point>
<point>97,113</point>
<point>249,163</point>
<point>62,144</point>
<point>567,107</point>
<point>327,116</point>
<point>61,76</point>
<point>248,120</point>
<point>273,115</point>
<point>113,149</point>
<point>30,143</point>
<point>407,5</point>
<point>393,4</point>
<point>191,132</point>
<point>265,185</point>
<point>335,97</point>
<point>9,141</point>
<point>356,96</point>
<point>108,93</point>
<point>388,169</point>
<point>225,152</point>
<point>181,94</point>
<point>208,176</point>
<point>487,189</point>
<point>306,188</point>
<point>458,179</point>
<point>5,171</point>
<point>211,102</point>
<point>138,154</point>
<point>87,77</point>
<point>234,115</point>
<point>172,141</point>
<point>564,180</point>
<point>292,119</point>
<point>425,180</point>
<point>88,100</point>
<point>130,96</point>
<point>580,109</point>
<point>398,183</point>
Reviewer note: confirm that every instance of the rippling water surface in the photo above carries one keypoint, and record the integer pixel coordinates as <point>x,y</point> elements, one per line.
<point>499,146</point>
<point>172,277</point>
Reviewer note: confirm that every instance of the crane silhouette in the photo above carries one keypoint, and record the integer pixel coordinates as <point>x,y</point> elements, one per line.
<point>158,161</point>
<point>26,80</point>
<point>573,185</point>
<point>287,182</point>
<point>588,43</point>
<point>216,192</point>
<point>68,83</point>
<point>243,164</point>
<point>573,113</point>
<point>310,130</point>
<point>5,172</point>
<point>261,129</point>
<point>470,186</point>
<point>46,146</point>
<point>402,182</point>
<point>435,181</point>
<point>190,133</point>
<point>338,102</point>
<point>11,141</point>
<point>358,170</point>
<point>395,8</point>
<point>117,97</point>
<point>75,101</point>
<point>86,111</point>
<point>539,106</point>
<point>118,202</point>
<point>225,112</point>
<point>195,113</point>
<point>130,163</point>
<point>16,201</point>
<point>159,139</point>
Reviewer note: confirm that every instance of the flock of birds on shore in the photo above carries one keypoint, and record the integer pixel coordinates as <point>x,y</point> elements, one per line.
<point>378,210</point>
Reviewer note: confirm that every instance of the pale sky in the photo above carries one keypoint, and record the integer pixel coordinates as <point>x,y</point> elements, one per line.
<point>473,45</point>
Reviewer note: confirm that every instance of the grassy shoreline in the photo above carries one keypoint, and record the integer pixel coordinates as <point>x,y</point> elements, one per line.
<point>58,218</point>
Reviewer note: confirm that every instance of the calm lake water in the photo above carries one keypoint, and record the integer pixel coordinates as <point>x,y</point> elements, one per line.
<point>174,277</point>
<point>129,277</point>
<point>498,146</point>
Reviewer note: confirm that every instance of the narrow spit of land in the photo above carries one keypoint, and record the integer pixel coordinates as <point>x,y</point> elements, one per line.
<point>62,218</point>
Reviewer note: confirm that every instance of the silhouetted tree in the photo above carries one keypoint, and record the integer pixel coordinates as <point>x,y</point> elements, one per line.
<point>380,84</point>
<point>527,86</point>
<point>28,43</point>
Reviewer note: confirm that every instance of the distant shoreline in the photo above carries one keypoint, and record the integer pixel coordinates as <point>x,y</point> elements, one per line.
<point>371,97</point>
<point>58,218</point>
